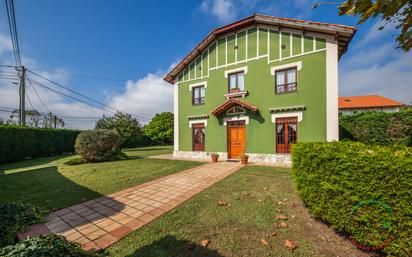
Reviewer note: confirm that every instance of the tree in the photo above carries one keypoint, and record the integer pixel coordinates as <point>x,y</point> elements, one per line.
<point>33,117</point>
<point>160,128</point>
<point>125,125</point>
<point>398,11</point>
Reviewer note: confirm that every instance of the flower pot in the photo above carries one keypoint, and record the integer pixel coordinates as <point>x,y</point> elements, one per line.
<point>215,157</point>
<point>244,159</point>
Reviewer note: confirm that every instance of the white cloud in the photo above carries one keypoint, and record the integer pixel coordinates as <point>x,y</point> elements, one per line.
<point>392,80</point>
<point>223,10</point>
<point>9,94</point>
<point>5,43</point>
<point>229,10</point>
<point>145,97</point>
<point>374,66</point>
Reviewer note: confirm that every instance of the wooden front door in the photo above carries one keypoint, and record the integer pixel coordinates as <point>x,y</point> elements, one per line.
<point>236,134</point>
<point>286,133</point>
<point>198,137</point>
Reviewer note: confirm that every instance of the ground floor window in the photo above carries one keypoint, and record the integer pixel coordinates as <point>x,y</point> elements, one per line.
<point>198,137</point>
<point>286,134</point>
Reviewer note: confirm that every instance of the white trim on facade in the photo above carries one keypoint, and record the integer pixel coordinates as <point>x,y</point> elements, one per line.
<point>299,115</point>
<point>245,118</point>
<point>176,116</point>
<point>244,69</point>
<point>191,122</point>
<point>202,83</point>
<point>332,116</point>
<point>298,66</point>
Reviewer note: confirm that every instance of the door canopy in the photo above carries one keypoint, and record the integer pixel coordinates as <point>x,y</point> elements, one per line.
<point>233,102</point>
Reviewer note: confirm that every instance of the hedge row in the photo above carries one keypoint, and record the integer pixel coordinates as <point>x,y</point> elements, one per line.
<point>18,143</point>
<point>378,127</point>
<point>359,189</point>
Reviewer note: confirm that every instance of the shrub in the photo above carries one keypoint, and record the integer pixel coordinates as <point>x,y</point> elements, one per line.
<point>16,217</point>
<point>18,143</point>
<point>50,245</point>
<point>359,189</point>
<point>378,127</point>
<point>99,145</point>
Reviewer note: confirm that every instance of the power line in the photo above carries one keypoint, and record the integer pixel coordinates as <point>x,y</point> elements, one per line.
<point>63,94</point>
<point>38,95</point>
<point>72,91</point>
<point>85,76</point>
<point>11,16</point>
<point>84,96</point>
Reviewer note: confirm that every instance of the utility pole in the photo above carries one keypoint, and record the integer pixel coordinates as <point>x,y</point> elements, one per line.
<point>22,94</point>
<point>50,119</point>
<point>55,121</point>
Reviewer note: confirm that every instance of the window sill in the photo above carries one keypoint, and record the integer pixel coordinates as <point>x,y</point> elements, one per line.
<point>237,94</point>
<point>285,92</point>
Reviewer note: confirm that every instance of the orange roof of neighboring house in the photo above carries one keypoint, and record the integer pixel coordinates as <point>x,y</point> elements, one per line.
<point>343,34</point>
<point>366,101</point>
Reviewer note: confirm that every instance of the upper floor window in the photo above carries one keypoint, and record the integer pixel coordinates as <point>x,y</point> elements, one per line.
<point>286,80</point>
<point>198,95</point>
<point>236,82</point>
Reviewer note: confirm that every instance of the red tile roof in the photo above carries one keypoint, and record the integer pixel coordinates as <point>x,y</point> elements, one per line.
<point>232,102</point>
<point>366,101</point>
<point>342,33</point>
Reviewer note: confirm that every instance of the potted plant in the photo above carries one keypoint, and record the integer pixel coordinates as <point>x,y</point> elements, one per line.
<point>244,158</point>
<point>234,90</point>
<point>215,157</point>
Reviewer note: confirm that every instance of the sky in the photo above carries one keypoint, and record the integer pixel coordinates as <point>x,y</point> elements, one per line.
<point>117,52</point>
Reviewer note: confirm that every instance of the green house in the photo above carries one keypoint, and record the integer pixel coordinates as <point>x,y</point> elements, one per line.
<point>257,86</point>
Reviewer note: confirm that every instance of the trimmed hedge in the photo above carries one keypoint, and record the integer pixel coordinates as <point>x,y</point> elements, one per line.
<point>359,189</point>
<point>42,246</point>
<point>18,143</point>
<point>16,217</point>
<point>378,127</point>
<point>99,145</point>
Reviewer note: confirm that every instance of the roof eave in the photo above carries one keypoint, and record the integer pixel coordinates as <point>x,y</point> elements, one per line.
<point>342,31</point>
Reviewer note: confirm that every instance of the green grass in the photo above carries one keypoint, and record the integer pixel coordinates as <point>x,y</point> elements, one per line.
<point>253,194</point>
<point>49,183</point>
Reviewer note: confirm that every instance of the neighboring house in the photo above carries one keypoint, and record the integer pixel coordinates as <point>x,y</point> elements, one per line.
<point>256,86</point>
<point>363,103</point>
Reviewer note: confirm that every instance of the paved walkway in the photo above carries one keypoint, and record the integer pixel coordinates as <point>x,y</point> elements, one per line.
<point>99,223</point>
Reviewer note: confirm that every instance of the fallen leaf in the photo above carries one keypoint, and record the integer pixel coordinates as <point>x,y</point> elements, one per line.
<point>264,242</point>
<point>204,243</point>
<point>266,189</point>
<point>278,210</point>
<point>281,203</point>
<point>222,203</point>
<point>282,224</point>
<point>273,234</point>
<point>291,245</point>
<point>236,229</point>
<point>282,217</point>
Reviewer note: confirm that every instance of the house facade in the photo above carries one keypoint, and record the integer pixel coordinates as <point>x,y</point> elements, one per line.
<point>349,105</point>
<point>256,87</point>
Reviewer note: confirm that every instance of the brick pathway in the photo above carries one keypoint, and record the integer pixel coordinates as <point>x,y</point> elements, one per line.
<point>99,223</point>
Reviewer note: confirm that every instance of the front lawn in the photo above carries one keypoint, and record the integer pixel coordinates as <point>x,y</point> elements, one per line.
<point>253,194</point>
<point>48,182</point>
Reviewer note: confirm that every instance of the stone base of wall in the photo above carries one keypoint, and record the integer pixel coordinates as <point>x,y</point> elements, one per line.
<point>198,155</point>
<point>278,160</point>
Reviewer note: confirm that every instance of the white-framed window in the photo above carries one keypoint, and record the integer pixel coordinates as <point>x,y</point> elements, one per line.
<point>286,80</point>
<point>198,95</point>
<point>236,82</point>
